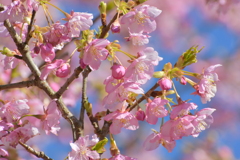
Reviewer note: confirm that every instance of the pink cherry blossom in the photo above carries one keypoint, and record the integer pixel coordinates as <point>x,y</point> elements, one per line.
<point>140,115</point>
<point>165,83</point>
<point>4,127</point>
<point>49,67</point>
<point>142,68</point>
<point>207,88</point>
<point>10,62</point>
<point>63,71</point>
<point>182,109</point>
<point>203,120</point>
<point>51,120</point>
<point>14,110</point>
<point>155,109</point>
<point>178,128</point>
<point>121,157</point>
<point>57,35</point>
<point>3,152</point>
<point>141,18</point>
<point>81,149</point>
<point>14,12</point>
<point>119,93</point>
<point>138,38</point>
<point>121,119</point>
<point>47,52</point>
<point>78,22</point>
<point>22,134</point>
<point>118,71</point>
<point>95,52</point>
<point>155,139</point>
<point>115,27</point>
<point>32,5</point>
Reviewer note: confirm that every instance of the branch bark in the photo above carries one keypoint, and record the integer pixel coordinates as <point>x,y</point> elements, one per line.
<point>24,50</point>
<point>18,85</point>
<point>34,152</point>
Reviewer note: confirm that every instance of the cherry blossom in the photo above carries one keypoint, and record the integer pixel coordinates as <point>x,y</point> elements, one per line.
<point>77,22</point>
<point>182,109</point>
<point>155,109</point>
<point>47,52</point>
<point>118,71</point>
<point>121,157</point>
<point>51,66</point>
<point>141,18</point>
<point>165,83</point>
<point>121,119</point>
<point>51,120</point>
<point>207,87</point>
<point>142,68</point>
<point>155,139</point>
<point>13,110</point>
<point>178,128</point>
<point>81,149</point>
<point>138,38</point>
<point>203,120</point>
<point>95,52</point>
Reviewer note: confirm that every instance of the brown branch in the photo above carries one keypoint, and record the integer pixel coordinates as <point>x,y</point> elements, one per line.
<point>24,50</point>
<point>34,152</point>
<point>18,85</point>
<point>148,94</point>
<point>85,74</point>
<point>107,28</point>
<point>29,36</point>
<point>74,76</point>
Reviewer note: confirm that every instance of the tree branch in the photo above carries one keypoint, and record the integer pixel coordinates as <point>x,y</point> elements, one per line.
<point>34,152</point>
<point>85,74</point>
<point>24,50</point>
<point>29,36</point>
<point>74,76</point>
<point>148,94</point>
<point>18,85</point>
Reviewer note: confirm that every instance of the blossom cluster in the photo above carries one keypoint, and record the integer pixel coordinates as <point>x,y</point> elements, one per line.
<point>123,87</point>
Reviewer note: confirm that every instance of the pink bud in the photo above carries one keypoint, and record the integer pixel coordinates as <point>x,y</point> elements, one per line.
<point>140,115</point>
<point>47,52</point>
<point>183,80</point>
<point>115,27</point>
<point>118,71</point>
<point>165,83</point>
<point>63,70</point>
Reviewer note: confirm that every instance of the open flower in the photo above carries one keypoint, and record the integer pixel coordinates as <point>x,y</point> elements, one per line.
<point>95,52</point>
<point>81,149</point>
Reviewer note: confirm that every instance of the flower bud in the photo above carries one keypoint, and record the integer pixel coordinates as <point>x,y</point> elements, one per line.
<point>36,49</point>
<point>115,27</point>
<point>118,71</point>
<point>165,83</point>
<point>140,115</point>
<point>183,80</point>
<point>63,70</point>
<point>6,51</point>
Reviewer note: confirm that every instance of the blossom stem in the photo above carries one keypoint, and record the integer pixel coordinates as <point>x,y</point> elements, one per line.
<point>65,13</point>
<point>177,95</point>
<point>127,54</point>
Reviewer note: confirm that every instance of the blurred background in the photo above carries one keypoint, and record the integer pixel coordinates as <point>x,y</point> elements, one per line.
<point>212,24</point>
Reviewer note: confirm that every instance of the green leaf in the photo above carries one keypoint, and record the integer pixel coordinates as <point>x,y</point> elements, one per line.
<point>99,147</point>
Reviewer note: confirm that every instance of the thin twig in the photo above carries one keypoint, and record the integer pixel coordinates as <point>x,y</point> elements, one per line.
<point>107,28</point>
<point>29,36</point>
<point>34,152</point>
<point>85,74</point>
<point>18,85</point>
<point>148,94</point>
